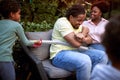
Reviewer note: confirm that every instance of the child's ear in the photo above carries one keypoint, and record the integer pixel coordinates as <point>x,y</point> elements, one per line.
<point>11,15</point>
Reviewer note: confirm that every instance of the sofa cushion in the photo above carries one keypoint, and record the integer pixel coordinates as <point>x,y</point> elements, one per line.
<point>54,72</point>
<point>41,52</point>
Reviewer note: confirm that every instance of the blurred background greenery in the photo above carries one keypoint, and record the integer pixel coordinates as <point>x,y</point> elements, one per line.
<point>40,15</point>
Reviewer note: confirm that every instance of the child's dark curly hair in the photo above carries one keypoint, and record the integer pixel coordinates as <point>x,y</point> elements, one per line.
<point>8,6</point>
<point>111,38</point>
<point>102,5</point>
<point>75,10</point>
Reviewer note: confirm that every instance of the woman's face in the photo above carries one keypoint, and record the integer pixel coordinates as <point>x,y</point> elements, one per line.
<point>77,21</point>
<point>95,13</point>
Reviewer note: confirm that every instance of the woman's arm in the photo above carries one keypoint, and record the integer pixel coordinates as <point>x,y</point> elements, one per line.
<point>87,39</point>
<point>83,36</point>
<point>85,31</point>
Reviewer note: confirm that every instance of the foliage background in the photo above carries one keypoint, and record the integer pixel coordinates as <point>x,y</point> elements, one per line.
<point>40,15</point>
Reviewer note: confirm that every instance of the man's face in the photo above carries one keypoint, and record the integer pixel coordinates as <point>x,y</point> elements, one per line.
<point>77,21</point>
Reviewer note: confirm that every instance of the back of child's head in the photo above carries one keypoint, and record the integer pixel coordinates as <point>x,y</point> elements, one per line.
<point>8,6</point>
<point>111,38</point>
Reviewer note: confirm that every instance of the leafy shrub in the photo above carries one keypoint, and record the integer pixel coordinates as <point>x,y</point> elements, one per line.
<point>31,26</point>
<point>40,15</point>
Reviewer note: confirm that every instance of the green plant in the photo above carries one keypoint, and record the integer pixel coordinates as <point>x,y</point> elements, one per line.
<point>37,15</point>
<point>38,11</point>
<point>31,26</point>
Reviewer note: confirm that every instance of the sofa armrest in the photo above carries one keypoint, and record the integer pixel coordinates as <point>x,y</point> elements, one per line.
<point>35,63</point>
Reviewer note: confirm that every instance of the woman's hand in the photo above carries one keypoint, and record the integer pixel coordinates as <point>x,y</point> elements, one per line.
<point>79,37</point>
<point>87,39</point>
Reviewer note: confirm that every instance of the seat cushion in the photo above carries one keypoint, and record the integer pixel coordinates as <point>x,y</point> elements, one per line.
<point>54,72</point>
<point>41,52</point>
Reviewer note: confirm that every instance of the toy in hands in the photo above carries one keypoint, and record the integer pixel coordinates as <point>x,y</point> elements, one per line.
<point>54,42</point>
<point>37,43</point>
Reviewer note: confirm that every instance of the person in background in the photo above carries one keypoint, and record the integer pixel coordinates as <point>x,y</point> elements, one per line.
<point>97,23</point>
<point>111,41</point>
<point>10,31</point>
<point>69,57</point>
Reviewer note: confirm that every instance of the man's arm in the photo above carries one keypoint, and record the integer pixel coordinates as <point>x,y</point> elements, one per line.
<point>70,38</point>
<point>79,36</point>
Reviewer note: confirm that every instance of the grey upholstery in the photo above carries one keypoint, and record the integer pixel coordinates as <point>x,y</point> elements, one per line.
<point>42,53</point>
<point>54,72</point>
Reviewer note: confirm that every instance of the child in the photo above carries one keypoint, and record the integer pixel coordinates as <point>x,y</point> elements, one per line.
<point>111,41</point>
<point>10,29</point>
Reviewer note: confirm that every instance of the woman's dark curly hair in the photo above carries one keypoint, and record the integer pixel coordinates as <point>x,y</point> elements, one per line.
<point>75,10</point>
<point>111,38</point>
<point>104,6</point>
<point>8,6</point>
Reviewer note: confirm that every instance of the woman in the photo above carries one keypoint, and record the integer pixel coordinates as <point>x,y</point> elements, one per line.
<point>97,23</point>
